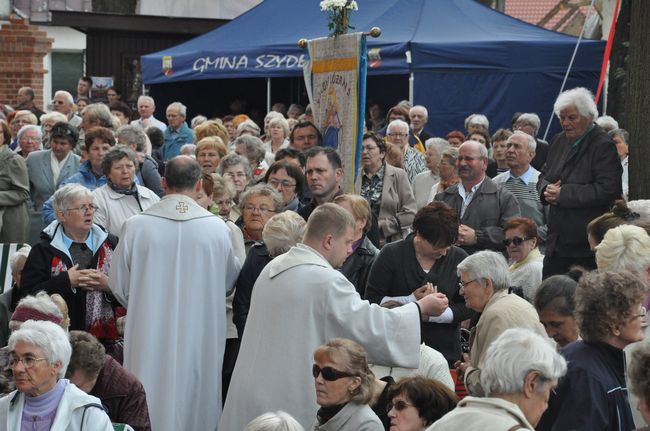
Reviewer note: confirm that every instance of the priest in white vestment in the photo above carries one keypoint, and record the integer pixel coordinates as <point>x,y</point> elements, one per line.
<point>172,269</point>
<point>298,303</point>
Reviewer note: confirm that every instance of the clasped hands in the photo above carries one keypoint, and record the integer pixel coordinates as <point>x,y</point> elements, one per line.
<point>88,279</point>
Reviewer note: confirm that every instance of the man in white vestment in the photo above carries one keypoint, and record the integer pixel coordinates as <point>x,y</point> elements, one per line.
<point>172,270</point>
<point>298,303</point>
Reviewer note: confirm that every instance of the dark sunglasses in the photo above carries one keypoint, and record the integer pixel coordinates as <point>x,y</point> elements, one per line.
<point>517,241</point>
<point>328,373</point>
<point>399,405</point>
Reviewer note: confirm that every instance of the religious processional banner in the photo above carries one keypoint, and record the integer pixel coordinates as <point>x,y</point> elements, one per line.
<point>335,77</point>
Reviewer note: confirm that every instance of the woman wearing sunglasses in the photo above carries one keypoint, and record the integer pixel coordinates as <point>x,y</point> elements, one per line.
<point>417,402</point>
<point>343,388</point>
<point>526,261</point>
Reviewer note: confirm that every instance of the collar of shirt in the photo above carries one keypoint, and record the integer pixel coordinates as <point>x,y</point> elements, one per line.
<point>67,241</point>
<point>55,160</point>
<point>525,177</point>
<point>379,174</point>
<point>463,194</point>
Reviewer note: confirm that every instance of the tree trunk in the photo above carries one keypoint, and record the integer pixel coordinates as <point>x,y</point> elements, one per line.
<point>638,99</point>
<point>618,66</point>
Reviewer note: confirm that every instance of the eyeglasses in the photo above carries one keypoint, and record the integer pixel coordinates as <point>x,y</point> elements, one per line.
<point>465,284</point>
<point>27,361</point>
<point>262,210</point>
<point>368,148</point>
<point>26,139</point>
<point>284,183</point>
<point>517,241</point>
<point>236,174</point>
<point>642,313</point>
<point>398,405</point>
<point>467,158</point>
<point>330,374</point>
<point>84,208</point>
<point>397,135</point>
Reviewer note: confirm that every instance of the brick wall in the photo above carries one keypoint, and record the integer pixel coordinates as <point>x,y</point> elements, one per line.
<point>22,48</point>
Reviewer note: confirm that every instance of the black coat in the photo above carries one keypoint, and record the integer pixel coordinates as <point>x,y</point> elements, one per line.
<point>591,182</point>
<point>258,257</point>
<point>396,272</point>
<point>356,267</point>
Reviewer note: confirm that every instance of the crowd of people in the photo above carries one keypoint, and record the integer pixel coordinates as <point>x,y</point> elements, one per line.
<point>207,274</point>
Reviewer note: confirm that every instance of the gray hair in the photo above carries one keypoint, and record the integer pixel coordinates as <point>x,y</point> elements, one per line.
<point>514,354</point>
<point>254,147</point>
<point>182,109</point>
<point>624,248</point>
<point>199,119</point>
<point>277,421</point>
<point>532,143</point>
<point>532,119</point>
<point>271,115</point>
<point>617,132</point>
<point>47,336</point>
<point>98,112</point>
<point>182,173</point>
<point>63,197</point>
<point>132,135</point>
<point>581,98</point>
<point>283,231</point>
<point>248,126</point>
<point>397,123</point>
<point>606,122</point>
<point>440,144</point>
<point>234,159</point>
<point>27,127</point>
<point>54,115</point>
<point>283,123</point>
<point>452,154</point>
<point>147,99</point>
<point>641,206</point>
<point>67,95</point>
<point>482,149</point>
<point>422,108</point>
<point>41,302</point>
<point>262,190</point>
<point>116,153</point>
<point>15,258</point>
<point>478,119</point>
<point>487,264</point>
<point>222,186</point>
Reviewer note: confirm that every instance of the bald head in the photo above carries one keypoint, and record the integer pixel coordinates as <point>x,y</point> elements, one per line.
<point>182,175</point>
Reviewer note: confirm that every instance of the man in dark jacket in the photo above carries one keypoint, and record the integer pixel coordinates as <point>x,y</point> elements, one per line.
<point>98,374</point>
<point>581,180</point>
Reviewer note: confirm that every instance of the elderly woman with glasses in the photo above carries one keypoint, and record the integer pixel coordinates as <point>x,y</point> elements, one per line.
<point>237,169</point>
<point>417,402</point>
<point>14,192</point>
<point>120,197</point>
<point>43,399</point>
<point>288,180</point>
<point>343,388</point>
<point>73,260</point>
<point>521,369</point>
<point>258,205</point>
<point>593,395</point>
<point>526,261</point>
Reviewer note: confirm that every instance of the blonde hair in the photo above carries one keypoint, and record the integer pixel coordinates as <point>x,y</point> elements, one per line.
<point>626,248</point>
<point>283,231</point>
<point>211,143</point>
<point>211,128</point>
<point>360,208</point>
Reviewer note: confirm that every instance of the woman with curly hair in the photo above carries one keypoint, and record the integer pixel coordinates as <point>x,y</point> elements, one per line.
<point>593,395</point>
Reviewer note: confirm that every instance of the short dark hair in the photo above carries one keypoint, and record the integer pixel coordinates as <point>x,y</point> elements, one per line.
<point>557,292</point>
<point>88,354</point>
<point>376,139</point>
<point>208,183</point>
<point>431,398</point>
<point>29,91</point>
<point>437,223</point>
<point>156,136</point>
<point>87,79</point>
<point>182,173</point>
<point>116,153</point>
<point>332,155</point>
<point>291,153</point>
<point>118,105</point>
<point>302,125</point>
<point>66,131</point>
<point>292,170</point>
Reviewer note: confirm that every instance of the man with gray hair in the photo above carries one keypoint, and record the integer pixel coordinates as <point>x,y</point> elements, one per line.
<point>182,331</point>
<point>418,115</point>
<point>178,133</point>
<point>398,135</point>
<point>146,109</point>
<point>484,283</point>
<point>483,207</point>
<point>530,123</point>
<point>581,180</point>
<point>521,179</point>
<point>309,302</point>
<point>63,102</point>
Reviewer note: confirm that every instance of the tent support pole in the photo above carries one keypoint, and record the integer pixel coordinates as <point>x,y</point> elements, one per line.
<point>411,81</point>
<point>268,94</point>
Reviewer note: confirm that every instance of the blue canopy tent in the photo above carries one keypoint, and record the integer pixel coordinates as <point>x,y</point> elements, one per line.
<point>461,56</point>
